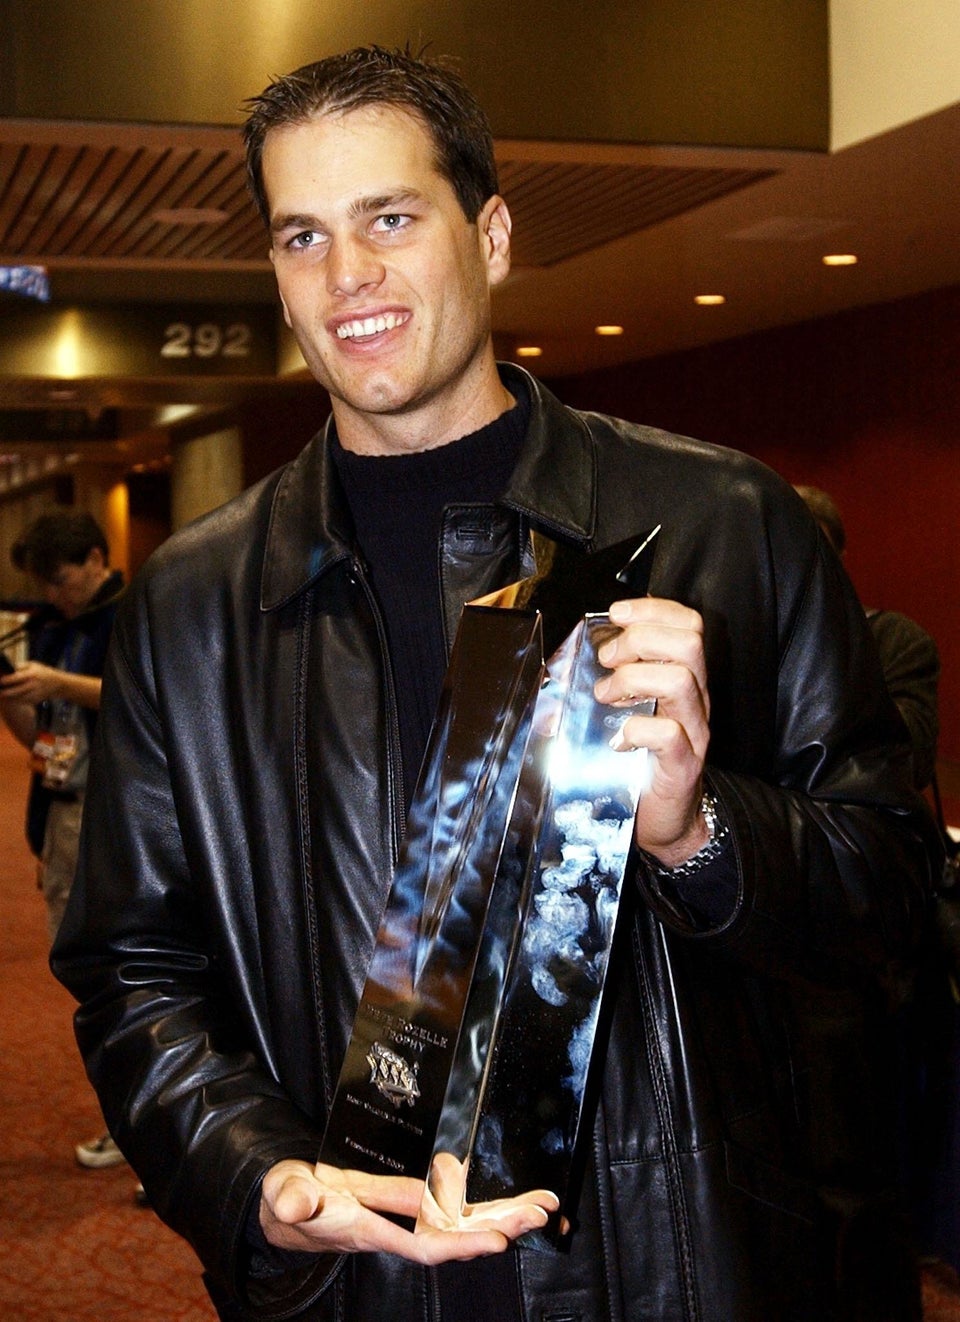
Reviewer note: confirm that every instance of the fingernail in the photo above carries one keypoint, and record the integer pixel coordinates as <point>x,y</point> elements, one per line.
<point>607,652</point>
<point>619,612</point>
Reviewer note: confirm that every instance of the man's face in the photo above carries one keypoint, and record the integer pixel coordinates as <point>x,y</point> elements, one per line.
<point>384,282</point>
<point>72,587</point>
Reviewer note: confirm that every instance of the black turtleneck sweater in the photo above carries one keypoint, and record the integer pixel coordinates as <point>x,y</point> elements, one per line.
<point>397,504</point>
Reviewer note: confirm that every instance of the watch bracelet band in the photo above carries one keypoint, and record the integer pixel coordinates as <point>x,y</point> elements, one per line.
<point>712,849</point>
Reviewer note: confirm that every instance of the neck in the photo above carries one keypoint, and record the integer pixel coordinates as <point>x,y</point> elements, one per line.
<point>427,423</point>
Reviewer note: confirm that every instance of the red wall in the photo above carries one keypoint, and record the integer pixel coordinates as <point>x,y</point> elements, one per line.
<point>865,405</point>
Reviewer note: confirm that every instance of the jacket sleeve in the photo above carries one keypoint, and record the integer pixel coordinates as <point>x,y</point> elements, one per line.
<point>834,850</point>
<point>184,1094</point>
<point>911,668</point>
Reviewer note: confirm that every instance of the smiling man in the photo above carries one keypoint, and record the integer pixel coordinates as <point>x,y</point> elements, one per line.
<point>387,291</point>
<point>269,696</point>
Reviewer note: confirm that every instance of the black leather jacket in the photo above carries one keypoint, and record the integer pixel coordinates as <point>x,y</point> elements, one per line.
<point>244,813</point>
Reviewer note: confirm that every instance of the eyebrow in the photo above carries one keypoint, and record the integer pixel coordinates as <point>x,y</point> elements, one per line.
<point>296,220</point>
<point>363,206</point>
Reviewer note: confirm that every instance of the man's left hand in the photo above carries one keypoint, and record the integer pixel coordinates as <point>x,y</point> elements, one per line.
<point>659,654</point>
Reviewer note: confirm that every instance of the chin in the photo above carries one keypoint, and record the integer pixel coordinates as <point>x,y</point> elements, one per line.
<point>381,398</point>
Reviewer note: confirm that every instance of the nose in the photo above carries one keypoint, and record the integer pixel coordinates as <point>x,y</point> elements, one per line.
<point>353,265</point>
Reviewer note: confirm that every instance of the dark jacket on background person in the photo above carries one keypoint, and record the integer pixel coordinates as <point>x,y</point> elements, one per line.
<point>80,646</point>
<point>244,815</point>
<point>911,667</point>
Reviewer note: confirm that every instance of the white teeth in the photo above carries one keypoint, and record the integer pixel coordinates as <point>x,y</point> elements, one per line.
<point>368,326</point>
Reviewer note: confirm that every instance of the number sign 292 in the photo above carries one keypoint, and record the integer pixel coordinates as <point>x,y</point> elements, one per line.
<point>207,340</point>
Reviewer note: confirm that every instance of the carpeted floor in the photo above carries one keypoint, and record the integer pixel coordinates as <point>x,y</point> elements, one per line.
<point>74,1246</point>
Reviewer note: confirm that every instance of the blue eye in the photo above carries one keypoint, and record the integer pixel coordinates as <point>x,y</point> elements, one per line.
<point>392,222</point>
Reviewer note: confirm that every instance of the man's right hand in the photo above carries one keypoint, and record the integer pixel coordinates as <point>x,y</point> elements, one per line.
<point>325,1210</point>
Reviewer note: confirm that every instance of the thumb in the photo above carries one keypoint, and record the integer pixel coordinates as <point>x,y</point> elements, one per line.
<point>293,1195</point>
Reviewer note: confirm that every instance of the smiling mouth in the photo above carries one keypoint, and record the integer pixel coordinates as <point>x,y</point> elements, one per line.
<point>366,326</point>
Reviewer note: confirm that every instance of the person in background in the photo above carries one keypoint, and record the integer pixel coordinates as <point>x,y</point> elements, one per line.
<point>271,683</point>
<point>50,704</point>
<point>908,655</point>
<point>930,1017</point>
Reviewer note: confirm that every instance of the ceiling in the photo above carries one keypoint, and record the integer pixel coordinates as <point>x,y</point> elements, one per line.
<point>119,195</point>
<point>602,234</point>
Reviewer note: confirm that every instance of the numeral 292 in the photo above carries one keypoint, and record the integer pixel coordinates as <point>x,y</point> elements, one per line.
<point>207,340</point>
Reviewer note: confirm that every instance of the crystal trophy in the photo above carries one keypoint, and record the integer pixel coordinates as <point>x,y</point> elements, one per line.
<point>469,1060</point>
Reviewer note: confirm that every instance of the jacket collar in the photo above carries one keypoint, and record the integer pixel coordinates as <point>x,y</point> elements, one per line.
<point>553,486</point>
<point>555,481</point>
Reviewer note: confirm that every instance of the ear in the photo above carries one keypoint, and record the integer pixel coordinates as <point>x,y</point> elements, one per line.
<point>494,226</point>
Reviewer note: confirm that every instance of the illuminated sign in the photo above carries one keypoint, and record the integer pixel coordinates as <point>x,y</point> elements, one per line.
<point>138,340</point>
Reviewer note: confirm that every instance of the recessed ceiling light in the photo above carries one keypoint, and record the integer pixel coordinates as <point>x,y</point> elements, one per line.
<point>710,300</point>
<point>608,330</point>
<point>840,259</point>
<point>529,351</point>
<point>190,216</point>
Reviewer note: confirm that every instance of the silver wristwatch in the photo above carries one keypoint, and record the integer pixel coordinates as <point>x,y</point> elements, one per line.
<point>710,850</point>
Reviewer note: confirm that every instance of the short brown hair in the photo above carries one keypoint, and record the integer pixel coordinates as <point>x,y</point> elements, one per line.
<point>371,75</point>
<point>57,538</point>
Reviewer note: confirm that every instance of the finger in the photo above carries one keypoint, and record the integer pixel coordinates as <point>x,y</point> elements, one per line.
<point>655,610</point>
<point>509,1221</point>
<point>399,1195</point>
<point>346,1226</point>
<point>662,644</point>
<point>675,744</point>
<point>436,1246</point>
<point>514,1216</point>
<point>678,690</point>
